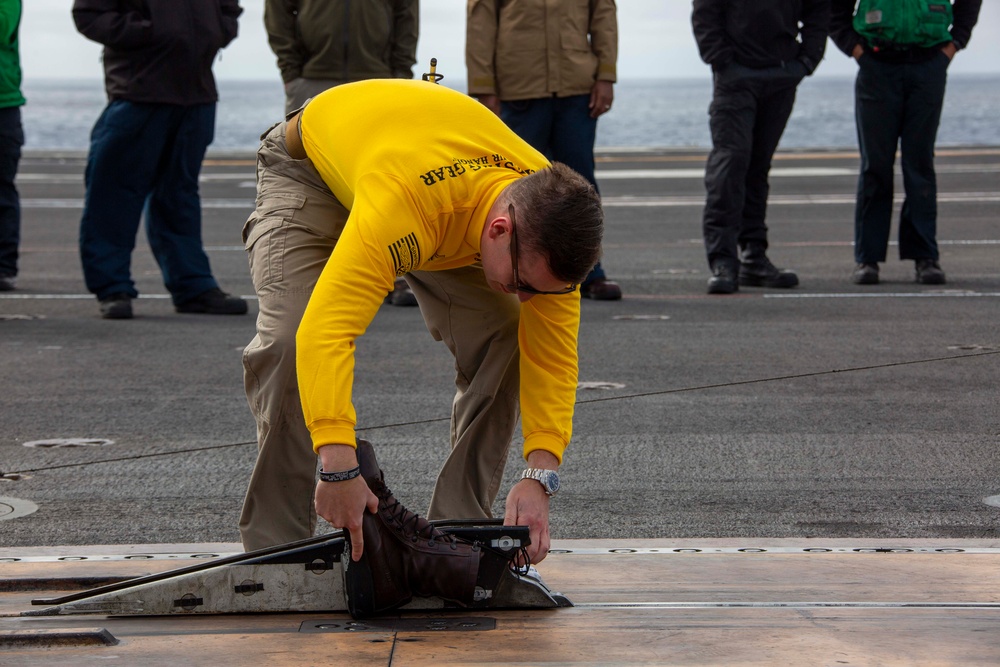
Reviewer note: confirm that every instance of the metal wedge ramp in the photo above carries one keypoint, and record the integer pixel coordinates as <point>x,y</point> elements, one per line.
<point>303,576</point>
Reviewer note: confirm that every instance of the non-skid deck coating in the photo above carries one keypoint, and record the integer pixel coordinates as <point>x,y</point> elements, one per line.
<point>639,602</point>
<point>841,417</point>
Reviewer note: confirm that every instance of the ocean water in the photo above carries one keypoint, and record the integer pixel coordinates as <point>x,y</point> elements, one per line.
<point>647,113</point>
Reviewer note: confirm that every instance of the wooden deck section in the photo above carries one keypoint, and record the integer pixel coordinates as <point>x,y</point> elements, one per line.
<point>644,602</point>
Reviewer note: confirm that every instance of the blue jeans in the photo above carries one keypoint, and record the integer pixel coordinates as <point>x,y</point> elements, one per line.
<point>897,103</point>
<point>146,158</point>
<point>561,129</point>
<point>11,140</point>
<point>747,116</point>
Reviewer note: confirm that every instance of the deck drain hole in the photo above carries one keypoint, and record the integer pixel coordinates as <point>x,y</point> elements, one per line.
<point>21,316</point>
<point>600,385</point>
<point>13,508</point>
<point>56,443</point>
<point>973,348</point>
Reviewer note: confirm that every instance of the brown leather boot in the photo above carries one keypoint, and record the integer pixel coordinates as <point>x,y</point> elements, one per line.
<point>404,554</point>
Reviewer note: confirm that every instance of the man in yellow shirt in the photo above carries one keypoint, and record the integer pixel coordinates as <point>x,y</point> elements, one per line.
<point>380,179</point>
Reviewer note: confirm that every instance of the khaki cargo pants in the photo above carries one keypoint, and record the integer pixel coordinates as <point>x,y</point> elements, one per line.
<point>289,238</point>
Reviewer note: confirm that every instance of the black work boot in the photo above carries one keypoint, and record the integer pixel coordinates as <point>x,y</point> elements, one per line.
<point>213,302</point>
<point>404,555</point>
<point>724,279</point>
<point>865,273</point>
<point>118,306</point>
<point>929,272</point>
<point>756,270</point>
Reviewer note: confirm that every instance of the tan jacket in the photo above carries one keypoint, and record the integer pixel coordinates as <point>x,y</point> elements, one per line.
<point>526,49</point>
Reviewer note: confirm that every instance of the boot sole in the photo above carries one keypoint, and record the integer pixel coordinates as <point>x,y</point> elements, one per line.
<point>780,283</point>
<point>722,289</point>
<point>359,586</point>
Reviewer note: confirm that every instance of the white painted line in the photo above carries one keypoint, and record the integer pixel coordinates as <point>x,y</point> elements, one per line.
<point>247,203</point>
<point>73,297</point>
<point>883,295</point>
<point>798,295</point>
<point>791,605</point>
<point>78,178</point>
<point>607,174</point>
<point>636,201</point>
<point>992,501</point>
<point>779,172</point>
<point>969,242</point>
<point>791,200</point>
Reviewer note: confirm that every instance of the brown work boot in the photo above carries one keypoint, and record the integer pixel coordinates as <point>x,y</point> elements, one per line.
<point>404,555</point>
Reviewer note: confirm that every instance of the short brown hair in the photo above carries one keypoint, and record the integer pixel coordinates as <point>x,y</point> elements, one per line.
<point>559,217</point>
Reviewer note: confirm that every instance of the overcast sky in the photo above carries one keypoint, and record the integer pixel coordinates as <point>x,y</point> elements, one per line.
<point>654,35</point>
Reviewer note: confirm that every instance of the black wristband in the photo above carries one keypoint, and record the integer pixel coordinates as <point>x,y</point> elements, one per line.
<point>341,476</point>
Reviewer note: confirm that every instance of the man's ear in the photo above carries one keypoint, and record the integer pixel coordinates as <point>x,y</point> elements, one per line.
<point>497,227</point>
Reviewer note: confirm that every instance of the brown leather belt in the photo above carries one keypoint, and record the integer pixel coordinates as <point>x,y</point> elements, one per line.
<point>293,137</point>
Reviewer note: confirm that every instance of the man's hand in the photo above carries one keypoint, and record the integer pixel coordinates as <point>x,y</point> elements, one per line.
<point>527,505</point>
<point>491,102</point>
<point>602,94</point>
<point>950,50</point>
<point>857,52</point>
<point>343,504</point>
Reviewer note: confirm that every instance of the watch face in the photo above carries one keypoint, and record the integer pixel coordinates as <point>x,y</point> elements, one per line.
<point>549,479</point>
<point>551,482</point>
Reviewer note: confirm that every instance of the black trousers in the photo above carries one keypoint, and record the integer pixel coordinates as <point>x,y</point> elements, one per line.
<point>748,114</point>
<point>11,140</point>
<point>897,104</point>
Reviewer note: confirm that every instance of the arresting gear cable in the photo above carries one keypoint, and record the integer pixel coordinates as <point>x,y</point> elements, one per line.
<point>661,392</point>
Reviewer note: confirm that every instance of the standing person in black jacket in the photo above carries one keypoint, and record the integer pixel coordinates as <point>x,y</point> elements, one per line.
<point>898,96</point>
<point>759,54</point>
<point>147,147</point>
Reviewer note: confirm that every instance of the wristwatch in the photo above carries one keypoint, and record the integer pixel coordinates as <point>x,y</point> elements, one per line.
<point>549,479</point>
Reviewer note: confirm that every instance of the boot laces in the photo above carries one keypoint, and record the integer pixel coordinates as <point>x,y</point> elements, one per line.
<point>762,264</point>
<point>410,523</point>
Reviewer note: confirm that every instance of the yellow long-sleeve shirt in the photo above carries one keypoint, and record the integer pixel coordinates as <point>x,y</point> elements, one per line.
<point>419,166</point>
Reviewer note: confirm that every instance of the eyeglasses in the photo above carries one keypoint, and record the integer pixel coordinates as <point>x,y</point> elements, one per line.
<point>518,285</point>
